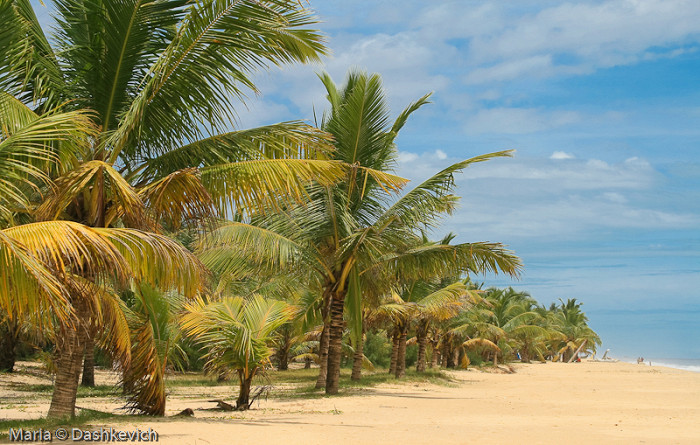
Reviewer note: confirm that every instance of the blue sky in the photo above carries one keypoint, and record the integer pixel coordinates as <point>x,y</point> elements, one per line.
<point>601,101</point>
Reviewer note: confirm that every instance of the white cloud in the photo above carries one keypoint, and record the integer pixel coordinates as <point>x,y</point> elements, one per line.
<point>406,157</point>
<point>509,199</point>
<point>591,35</point>
<point>440,154</point>
<point>561,155</point>
<point>614,197</point>
<point>518,120</point>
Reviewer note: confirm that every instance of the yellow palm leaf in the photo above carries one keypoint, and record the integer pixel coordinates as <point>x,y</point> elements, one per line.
<point>178,197</point>
<point>27,286</point>
<point>255,185</point>
<point>99,184</point>
<point>122,254</point>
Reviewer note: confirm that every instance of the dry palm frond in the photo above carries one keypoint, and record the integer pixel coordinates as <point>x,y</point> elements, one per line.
<point>99,184</point>
<point>177,198</point>
<point>27,285</point>
<point>481,343</point>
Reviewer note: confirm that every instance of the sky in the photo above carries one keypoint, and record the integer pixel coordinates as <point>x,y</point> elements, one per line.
<point>600,100</point>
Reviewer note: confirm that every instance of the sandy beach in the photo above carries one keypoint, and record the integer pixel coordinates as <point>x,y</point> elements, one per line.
<point>588,402</point>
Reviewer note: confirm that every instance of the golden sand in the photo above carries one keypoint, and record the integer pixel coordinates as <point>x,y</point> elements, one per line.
<point>587,403</point>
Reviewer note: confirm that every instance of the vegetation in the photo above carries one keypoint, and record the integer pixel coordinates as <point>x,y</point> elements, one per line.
<point>134,220</point>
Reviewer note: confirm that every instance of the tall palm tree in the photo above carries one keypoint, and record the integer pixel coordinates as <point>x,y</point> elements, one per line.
<point>349,230</point>
<point>160,77</point>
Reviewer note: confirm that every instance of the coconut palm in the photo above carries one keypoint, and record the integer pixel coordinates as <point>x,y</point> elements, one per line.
<point>152,317</point>
<point>508,324</point>
<point>112,258</point>
<point>159,77</point>
<point>349,230</point>
<point>577,336</point>
<point>237,334</point>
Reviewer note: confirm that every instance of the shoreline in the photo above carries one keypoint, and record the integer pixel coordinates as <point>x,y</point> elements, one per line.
<point>684,364</point>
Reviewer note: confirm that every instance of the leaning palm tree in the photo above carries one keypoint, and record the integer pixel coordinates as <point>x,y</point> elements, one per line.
<point>82,268</point>
<point>237,334</point>
<point>160,78</point>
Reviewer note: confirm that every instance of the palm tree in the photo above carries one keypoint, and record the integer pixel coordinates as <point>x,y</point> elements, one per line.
<point>113,258</point>
<point>577,336</point>
<point>508,323</point>
<point>159,77</point>
<point>237,335</point>
<point>152,318</point>
<point>347,231</point>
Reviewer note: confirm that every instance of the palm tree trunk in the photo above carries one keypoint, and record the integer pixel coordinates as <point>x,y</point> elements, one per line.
<point>401,356</point>
<point>68,366</point>
<point>573,357</point>
<point>9,338</point>
<point>358,357</point>
<point>283,348</point>
<point>243,403</point>
<point>335,344</point>
<point>394,351</point>
<point>422,335</point>
<point>307,363</point>
<point>357,362</point>
<point>325,337</point>
<point>323,356</point>
<point>89,363</point>
<point>283,355</point>
<point>445,353</point>
<point>435,354</point>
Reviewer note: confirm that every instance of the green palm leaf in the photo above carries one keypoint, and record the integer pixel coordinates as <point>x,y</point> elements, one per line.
<point>217,45</point>
<point>425,203</point>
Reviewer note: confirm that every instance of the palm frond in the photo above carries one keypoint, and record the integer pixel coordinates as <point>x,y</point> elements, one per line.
<point>217,46</point>
<point>423,205</point>
<point>258,244</point>
<point>158,260</point>
<point>121,254</point>
<point>28,68</point>
<point>100,184</point>
<point>178,198</point>
<point>27,286</point>
<point>444,303</point>
<point>285,140</point>
<point>255,185</point>
<point>434,259</point>
<point>481,343</point>
<point>28,145</point>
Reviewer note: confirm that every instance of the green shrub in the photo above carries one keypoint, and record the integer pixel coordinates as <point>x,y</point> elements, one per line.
<point>377,349</point>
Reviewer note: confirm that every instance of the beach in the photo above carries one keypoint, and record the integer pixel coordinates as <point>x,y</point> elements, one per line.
<point>587,402</point>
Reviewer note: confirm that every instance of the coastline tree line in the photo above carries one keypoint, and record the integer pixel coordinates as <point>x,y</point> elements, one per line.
<point>135,222</point>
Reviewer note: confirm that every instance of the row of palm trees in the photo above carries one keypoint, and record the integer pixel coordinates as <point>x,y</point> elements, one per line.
<point>450,321</point>
<point>131,217</point>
